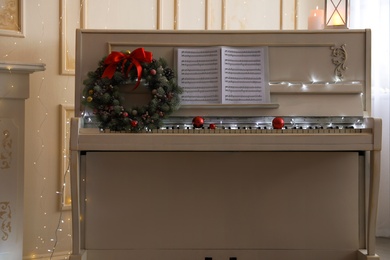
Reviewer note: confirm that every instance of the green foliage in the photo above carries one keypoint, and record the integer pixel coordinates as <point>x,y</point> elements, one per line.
<point>103,96</point>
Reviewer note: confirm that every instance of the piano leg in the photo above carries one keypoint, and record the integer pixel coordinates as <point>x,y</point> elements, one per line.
<point>373,201</point>
<point>370,254</point>
<point>77,229</point>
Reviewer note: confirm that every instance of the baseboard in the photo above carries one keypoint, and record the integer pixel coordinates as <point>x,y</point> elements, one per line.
<point>56,256</point>
<point>362,255</point>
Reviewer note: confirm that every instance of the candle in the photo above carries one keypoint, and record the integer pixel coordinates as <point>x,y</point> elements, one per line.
<point>336,20</point>
<point>316,19</point>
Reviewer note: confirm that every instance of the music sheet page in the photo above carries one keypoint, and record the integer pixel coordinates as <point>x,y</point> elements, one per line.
<point>244,76</point>
<point>199,74</point>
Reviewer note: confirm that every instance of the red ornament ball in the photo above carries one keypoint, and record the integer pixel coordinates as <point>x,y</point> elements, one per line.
<point>212,126</point>
<point>198,121</point>
<point>278,123</point>
<point>134,123</point>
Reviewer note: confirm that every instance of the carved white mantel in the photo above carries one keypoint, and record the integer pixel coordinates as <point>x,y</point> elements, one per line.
<point>14,90</point>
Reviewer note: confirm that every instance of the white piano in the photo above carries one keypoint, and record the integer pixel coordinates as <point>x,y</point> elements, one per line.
<point>243,190</point>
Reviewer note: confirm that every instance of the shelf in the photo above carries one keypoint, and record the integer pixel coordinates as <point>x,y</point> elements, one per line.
<point>231,106</point>
<point>225,109</point>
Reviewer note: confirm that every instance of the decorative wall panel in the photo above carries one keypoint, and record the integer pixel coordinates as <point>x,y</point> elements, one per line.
<point>9,201</point>
<point>11,18</point>
<point>178,15</point>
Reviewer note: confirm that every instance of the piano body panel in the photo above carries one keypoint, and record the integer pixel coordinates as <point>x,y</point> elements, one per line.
<point>222,200</point>
<point>226,142</point>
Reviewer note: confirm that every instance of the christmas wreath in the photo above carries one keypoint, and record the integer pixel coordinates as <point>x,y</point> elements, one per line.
<point>102,91</point>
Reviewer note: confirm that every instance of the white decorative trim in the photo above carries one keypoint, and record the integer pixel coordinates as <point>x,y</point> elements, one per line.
<point>19,32</point>
<point>5,220</point>
<point>224,22</point>
<point>56,256</point>
<point>21,67</point>
<point>67,61</point>
<point>159,15</point>
<point>339,59</point>
<point>207,15</point>
<point>67,112</point>
<point>67,58</point>
<point>176,12</point>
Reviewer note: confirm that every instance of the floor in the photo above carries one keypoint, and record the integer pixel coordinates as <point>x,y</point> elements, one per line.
<point>383,248</point>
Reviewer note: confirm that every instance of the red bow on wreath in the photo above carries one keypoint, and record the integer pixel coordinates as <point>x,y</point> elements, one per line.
<point>135,57</point>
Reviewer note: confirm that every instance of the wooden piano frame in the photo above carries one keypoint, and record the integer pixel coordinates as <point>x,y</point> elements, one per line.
<point>102,227</point>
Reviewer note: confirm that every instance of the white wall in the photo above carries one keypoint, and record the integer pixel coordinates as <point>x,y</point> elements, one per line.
<point>42,158</point>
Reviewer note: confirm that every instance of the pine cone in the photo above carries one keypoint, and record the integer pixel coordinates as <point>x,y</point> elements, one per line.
<point>168,73</point>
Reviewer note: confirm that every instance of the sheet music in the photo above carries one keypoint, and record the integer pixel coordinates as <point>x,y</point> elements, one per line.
<point>199,75</point>
<point>223,75</point>
<point>244,75</point>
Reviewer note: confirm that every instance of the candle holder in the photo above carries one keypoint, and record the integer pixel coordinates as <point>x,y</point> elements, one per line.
<point>336,14</point>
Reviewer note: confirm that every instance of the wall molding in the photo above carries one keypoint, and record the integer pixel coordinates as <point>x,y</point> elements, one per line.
<point>67,112</point>
<point>13,8</point>
<point>56,256</point>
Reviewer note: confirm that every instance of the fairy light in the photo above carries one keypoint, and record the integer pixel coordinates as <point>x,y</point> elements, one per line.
<point>10,51</point>
<point>44,242</point>
<point>48,242</point>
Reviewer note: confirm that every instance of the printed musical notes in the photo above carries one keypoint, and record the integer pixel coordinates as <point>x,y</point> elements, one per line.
<point>227,75</point>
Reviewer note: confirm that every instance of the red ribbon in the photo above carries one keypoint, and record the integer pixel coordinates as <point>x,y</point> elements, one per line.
<point>135,57</point>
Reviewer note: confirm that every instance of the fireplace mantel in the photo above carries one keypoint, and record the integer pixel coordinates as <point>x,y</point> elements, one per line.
<point>14,90</point>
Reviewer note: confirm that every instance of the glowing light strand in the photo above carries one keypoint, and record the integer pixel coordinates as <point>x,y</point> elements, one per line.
<point>60,220</point>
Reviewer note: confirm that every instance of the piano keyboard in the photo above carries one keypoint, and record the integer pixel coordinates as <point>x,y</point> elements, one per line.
<point>175,130</point>
<point>299,125</point>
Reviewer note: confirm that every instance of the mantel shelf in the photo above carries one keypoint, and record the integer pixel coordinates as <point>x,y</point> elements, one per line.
<point>15,78</point>
<point>21,67</point>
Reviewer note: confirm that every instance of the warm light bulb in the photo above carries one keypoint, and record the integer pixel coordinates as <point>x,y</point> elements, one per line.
<point>336,20</point>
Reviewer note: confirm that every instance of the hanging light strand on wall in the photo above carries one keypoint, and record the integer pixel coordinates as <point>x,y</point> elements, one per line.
<point>44,240</point>
<point>7,53</point>
<point>61,193</point>
<point>10,53</point>
<point>60,219</point>
<point>38,135</point>
<point>12,47</point>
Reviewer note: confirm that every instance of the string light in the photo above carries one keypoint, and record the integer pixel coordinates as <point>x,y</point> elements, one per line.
<point>60,220</point>
<point>43,241</point>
